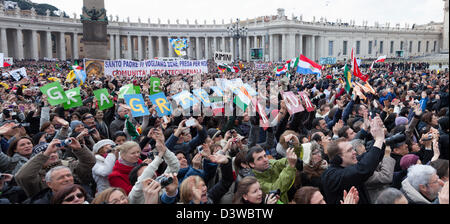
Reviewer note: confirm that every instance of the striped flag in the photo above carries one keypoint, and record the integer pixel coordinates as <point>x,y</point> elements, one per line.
<point>379,59</point>
<point>308,66</point>
<point>280,70</point>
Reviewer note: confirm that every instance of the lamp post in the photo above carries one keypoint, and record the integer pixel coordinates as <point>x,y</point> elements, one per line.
<point>237,33</point>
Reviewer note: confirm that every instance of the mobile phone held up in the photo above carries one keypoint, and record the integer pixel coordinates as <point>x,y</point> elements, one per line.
<point>190,122</point>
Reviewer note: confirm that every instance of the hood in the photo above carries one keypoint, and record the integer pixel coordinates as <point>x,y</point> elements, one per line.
<point>412,194</point>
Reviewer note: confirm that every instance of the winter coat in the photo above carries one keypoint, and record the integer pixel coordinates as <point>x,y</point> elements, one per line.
<point>31,176</point>
<point>336,178</point>
<point>280,175</point>
<point>103,167</point>
<point>381,178</point>
<point>187,147</point>
<point>136,195</point>
<point>412,195</point>
<point>119,177</point>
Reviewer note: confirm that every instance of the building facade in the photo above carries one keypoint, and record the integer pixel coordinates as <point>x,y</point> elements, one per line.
<point>25,35</point>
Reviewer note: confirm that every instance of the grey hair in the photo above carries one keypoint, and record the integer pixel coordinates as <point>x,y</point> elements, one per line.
<point>356,143</point>
<point>48,175</point>
<point>389,196</point>
<point>314,146</point>
<point>420,174</point>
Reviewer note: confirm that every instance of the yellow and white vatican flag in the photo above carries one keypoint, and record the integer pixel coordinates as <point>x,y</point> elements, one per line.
<point>179,46</point>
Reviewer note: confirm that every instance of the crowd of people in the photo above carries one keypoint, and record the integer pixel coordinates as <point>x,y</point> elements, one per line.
<point>390,147</point>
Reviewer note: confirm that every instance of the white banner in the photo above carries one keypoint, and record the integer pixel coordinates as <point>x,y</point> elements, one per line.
<point>130,68</point>
<point>19,74</point>
<point>223,58</point>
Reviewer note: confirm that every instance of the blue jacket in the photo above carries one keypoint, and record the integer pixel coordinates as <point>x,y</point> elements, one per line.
<point>389,96</point>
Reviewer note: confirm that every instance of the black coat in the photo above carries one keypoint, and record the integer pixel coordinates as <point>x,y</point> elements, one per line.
<point>336,178</point>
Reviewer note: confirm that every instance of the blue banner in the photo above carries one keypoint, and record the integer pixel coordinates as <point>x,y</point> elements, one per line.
<point>137,105</point>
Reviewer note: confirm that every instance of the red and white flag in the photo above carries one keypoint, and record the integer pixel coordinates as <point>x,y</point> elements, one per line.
<point>379,59</point>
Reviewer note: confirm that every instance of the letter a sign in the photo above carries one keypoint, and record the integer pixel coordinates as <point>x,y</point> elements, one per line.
<point>103,100</point>
<point>55,93</point>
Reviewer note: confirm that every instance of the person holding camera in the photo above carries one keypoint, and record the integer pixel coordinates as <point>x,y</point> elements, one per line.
<point>249,192</point>
<point>106,156</point>
<point>30,177</point>
<point>163,155</point>
<point>180,141</point>
<point>274,174</point>
<point>346,171</point>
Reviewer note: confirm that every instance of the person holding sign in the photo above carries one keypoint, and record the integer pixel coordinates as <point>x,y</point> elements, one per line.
<point>55,93</point>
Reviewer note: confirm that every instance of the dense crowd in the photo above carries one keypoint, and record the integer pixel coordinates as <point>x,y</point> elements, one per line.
<point>390,147</point>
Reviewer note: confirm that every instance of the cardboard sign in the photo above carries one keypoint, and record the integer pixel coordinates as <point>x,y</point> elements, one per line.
<point>203,96</point>
<point>137,105</point>
<point>292,102</point>
<point>55,93</point>
<point>223,58</point>
<point>103,100</point>
<point>74,99</point>
<point>185,99</point>
<point>163,106</point>
<point>307,102</point>
<point>263,120</point>
<point>217,90</point>
<point>155,84</point>
<point>127,89</point>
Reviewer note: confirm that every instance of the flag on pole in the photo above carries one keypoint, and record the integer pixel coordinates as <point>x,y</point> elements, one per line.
<point>308,66</point>
<point>379,59</point>
<point>348,79</point>
<point>70,77</point>
<point>355,68</point>
<point>280,70</point>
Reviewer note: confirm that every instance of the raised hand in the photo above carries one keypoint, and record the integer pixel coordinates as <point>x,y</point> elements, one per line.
<point>291,157</point>
<point>151,190</point>
<point>352,197</point>
<point>443,194</point>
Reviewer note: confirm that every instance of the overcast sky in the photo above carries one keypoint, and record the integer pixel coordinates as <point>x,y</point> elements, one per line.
<point>397,11</point>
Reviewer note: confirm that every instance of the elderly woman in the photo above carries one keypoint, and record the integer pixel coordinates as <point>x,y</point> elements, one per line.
<point>313,169</point>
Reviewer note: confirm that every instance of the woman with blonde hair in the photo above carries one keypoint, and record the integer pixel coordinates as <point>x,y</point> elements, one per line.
<point>129,157</point>
<point>112,195</point>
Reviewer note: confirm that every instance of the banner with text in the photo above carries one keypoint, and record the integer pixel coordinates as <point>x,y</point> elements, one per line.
<point>223,58</point>
<point>128,68</point>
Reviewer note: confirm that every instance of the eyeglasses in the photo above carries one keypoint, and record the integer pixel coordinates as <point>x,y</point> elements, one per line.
<point>71,198</point>
<point>88,117</point>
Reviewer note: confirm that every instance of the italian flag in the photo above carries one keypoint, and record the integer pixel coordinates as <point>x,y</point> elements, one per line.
<point>217,108</point>
<point>225,67</point>
<point>293,63</point>
<point>347,78</point>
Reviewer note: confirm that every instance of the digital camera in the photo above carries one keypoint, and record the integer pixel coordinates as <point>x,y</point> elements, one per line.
<point>164,181</point>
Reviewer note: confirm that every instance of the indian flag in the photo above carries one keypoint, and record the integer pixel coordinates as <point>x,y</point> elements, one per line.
<point>348,78</point>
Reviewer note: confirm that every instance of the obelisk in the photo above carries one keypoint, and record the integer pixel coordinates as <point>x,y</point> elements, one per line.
<point>95,24</point>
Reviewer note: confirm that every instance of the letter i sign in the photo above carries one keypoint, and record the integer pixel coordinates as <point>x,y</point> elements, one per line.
<point>307,102</point>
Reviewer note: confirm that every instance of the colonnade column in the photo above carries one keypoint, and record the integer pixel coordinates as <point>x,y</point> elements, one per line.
<point>4,40</point>
<point>48,45</point>
<point>111,46</point>
<point>247,44</point>
<point>140,48</point>
<point>34,45</point>
<point>75,46</point>
<point>313,46</point>
<point>129,50</point>
<point>19,45</point>
<point>271,46</point>
<point>118,48</point>
<point>150,47</point>
<point>206,48</point>
<point>283,47</point>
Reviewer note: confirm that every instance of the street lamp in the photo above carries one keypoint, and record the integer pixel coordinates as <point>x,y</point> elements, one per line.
<point>236,33</point>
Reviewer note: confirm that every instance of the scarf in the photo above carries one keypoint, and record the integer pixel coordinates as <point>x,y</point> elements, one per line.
<point>127,163</point>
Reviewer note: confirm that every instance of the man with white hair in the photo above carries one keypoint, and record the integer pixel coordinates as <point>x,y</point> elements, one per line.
<point>422,185</point>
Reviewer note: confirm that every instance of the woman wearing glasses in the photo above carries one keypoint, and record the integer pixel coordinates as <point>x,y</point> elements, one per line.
<point>72,194</point>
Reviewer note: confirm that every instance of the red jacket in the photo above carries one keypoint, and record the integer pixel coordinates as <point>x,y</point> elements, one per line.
<point>119,176</point>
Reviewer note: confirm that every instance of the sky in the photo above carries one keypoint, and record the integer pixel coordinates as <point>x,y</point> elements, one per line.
<point>382,11</point>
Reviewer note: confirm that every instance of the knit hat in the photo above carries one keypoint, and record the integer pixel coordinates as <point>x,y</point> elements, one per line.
<point>408,160</point>
<point>37,136</point>
<point>401,121</point>
<point>74,124</point>
<point>41,147</point>
<point>212,133</point>
<point>102,143</point>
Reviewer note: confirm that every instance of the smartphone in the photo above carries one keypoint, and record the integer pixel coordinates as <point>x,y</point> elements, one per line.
<point>190,122</point>
<point>165,119</point>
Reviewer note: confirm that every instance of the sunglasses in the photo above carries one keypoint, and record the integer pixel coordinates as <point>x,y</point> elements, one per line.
<point>71,198</point>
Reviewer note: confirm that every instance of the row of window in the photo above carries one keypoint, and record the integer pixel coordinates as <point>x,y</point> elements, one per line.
<point>373,44</point>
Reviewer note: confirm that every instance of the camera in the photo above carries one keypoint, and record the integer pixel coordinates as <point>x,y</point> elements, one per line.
<point>24,125</point>
<point>48,138</point>
<point>275,192</point>
<point>65,143</point>
<point>151,155</point>
<point>429,138</point>
<point>164,181</point>
<point>91,131</point>
<point>291,144</point>
<point>396,140</point>
<point>200,149</point>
